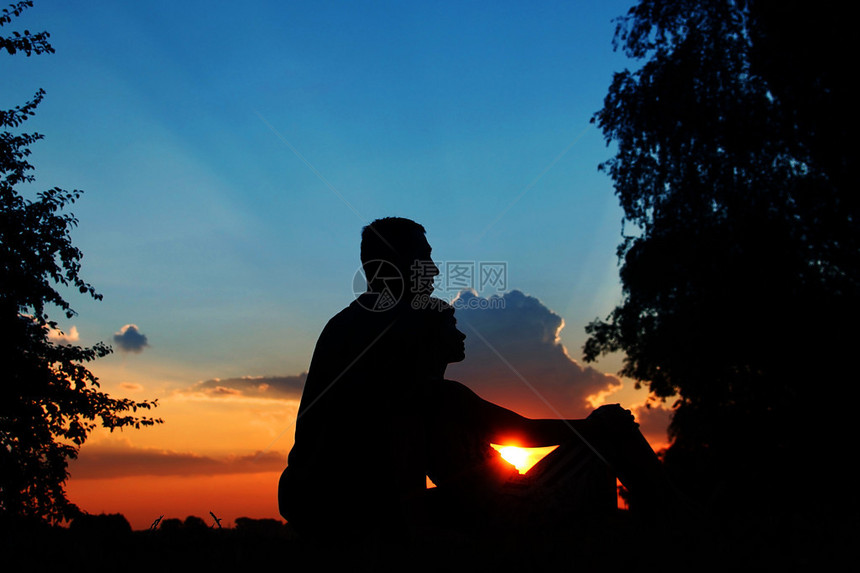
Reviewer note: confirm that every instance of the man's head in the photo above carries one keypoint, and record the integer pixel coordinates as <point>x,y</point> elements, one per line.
<point>402,245</point>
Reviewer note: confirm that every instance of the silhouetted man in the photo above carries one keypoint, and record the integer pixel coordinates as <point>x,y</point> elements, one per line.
<point>344,465</point>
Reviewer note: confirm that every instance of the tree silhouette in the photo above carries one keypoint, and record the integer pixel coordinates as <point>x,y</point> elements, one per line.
<point>49,401</point>
<point>739,263</point>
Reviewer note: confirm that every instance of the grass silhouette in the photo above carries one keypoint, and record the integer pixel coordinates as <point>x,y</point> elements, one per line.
<point>618,543</point>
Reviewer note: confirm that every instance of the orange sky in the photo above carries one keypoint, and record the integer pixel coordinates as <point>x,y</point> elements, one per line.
<point>189,484</point>
<point>142,499</point>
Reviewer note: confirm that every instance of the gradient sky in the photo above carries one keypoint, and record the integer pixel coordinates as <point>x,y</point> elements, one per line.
<point>230,156</point>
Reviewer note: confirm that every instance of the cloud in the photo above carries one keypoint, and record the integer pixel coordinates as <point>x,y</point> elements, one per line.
<point>130,339</point>
<point>131,386</point>
<point>514,357</point>
<point>110,461</point>
<point>64,338</point>
<point>653,423</point>
<point>272,387</point>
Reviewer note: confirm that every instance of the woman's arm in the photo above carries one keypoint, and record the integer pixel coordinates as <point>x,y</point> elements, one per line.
<point>509,428</point>
<point>506,427</point>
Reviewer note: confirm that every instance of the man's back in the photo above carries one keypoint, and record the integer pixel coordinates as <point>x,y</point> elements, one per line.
<point>344,463</point>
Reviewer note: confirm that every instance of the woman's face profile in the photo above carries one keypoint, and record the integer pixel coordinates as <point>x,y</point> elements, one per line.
<point>453,340</point>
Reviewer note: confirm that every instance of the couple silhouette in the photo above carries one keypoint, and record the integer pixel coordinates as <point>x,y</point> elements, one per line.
<point>377,415</point>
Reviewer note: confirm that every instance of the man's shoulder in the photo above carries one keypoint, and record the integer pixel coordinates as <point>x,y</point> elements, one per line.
<point>351,316</point>
<point>351,310</point>
<point>359,314</point>
<point>353,328</point>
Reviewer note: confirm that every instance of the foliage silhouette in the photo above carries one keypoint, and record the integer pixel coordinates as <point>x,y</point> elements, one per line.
<point>49,401</point>
<point>105,525</point>
<point>740,274</point>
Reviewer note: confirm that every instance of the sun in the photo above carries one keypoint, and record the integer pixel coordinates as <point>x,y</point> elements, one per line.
<point>517,457</point>
<point>522,458</point>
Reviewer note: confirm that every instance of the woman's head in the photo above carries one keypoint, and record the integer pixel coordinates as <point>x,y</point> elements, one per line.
<point>441,343</point>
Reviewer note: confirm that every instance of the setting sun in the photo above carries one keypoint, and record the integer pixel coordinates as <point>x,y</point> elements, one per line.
<point>518,457</point>
<point>523,458</point>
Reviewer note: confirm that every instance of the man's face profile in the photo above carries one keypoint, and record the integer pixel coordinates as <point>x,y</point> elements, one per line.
<point>422,269</point>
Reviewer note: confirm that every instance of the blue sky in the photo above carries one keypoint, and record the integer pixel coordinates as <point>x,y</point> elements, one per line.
<point>230,156</point>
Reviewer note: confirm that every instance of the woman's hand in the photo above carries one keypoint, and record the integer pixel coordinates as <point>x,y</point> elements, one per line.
<point>612,418</point>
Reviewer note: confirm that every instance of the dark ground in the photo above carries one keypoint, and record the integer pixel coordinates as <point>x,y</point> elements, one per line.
<point>616,543</point>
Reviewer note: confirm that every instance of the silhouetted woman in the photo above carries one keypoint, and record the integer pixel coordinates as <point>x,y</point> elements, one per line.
<point>476,486</point>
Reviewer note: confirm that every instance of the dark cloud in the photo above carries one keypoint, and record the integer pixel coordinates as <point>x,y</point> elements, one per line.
<point>113,461</point>
<point>274,387</point>
<point>130,339</point>
<point>514,358</point>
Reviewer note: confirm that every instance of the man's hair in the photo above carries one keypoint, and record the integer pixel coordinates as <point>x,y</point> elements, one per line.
<point>389,239</point>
